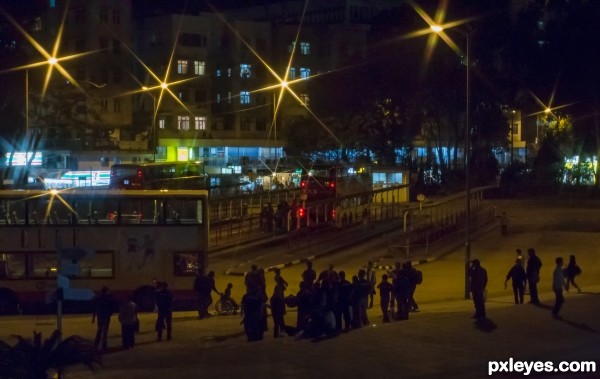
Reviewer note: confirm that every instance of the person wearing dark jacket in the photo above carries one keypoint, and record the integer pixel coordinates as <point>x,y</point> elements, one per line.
<point>519,278</point>
<point>477,283</point>
<point>345,293</point>
<point>104,307</point>
<point>164,306</point>
<point>534,265</point>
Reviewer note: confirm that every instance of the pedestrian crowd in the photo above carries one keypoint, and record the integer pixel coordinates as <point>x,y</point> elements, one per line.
<point>327,303</point>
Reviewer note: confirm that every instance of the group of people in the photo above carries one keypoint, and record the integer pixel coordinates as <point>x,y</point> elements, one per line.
<point>106,305</point>
<point>327,303</point>
<point>521,276</point>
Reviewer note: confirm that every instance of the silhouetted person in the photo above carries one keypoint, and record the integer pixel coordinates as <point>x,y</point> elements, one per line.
<point>478,281</point>
<point>345,292</point>
<point>279,277</point>
<point>201,287</point>
<point>372,279</point>
<point>103,310</point>
<point>571,272</point>
<point>278,308</point>
<point>128,319</point>
<point>503,224</point>
<point>363,290</point>
<point>252,308</point>
<point>164,306</point>
<point>385,294</point>
<point>534,265</point>
<point>558,283</point>
<point>309,275</point>
<point>519,278</point>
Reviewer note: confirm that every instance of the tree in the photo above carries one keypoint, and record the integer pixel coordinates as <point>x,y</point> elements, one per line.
<point>34,359</point>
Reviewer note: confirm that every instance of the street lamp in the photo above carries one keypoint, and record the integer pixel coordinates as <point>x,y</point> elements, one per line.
<point>440,29</point>
<point>512,135</point>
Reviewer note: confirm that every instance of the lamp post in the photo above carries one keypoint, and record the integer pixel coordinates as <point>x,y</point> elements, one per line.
<point>438,29</point>
<point>512,135</point>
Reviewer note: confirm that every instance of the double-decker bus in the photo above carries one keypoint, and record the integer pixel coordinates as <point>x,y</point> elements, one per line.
<point>132,239</point>
<point>327,188</point>
<point>158,175</point>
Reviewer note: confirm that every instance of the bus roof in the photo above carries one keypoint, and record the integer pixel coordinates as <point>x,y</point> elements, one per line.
<point>103,193</point>
<point>150,164</point>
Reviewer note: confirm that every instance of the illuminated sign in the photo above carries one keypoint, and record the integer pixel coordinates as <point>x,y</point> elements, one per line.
<point>20,158</point>
<point>182,154</point>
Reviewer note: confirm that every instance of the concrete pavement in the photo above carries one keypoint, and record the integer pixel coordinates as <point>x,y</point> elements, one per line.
<point>440,341</point>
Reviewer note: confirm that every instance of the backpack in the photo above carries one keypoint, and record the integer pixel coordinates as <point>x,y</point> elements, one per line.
<point>577,270</point>
<point>419,276</point>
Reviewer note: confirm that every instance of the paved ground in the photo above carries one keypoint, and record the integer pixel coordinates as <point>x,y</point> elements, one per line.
<point>440,341</point>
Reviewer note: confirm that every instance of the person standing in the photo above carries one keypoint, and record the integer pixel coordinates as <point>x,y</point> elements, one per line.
<point>128,319</point>
<point>372,279</point>
<point>164,305</point>
<point>558,282</point>
<point>345,293</point>
<point>385,292</point>
<point>278,308</point>
<point>519,278</point>
<point>477,283</point>
<point>309,275</point>
<point>103,310</point>
<point>534,265</point>
<point>571,272</point>
<point>200,285</point>
<point>363,290</point>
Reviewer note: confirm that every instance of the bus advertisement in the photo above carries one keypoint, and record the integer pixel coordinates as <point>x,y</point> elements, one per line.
<point>128,238</point>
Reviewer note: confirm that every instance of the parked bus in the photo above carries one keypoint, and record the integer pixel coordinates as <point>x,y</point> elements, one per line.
<point>325,189</point>
<point>158,175</point>
<point>123,239</point>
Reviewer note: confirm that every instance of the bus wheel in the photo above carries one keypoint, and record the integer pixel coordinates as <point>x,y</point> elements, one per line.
<point>144,298</point>
<point>9,303</point>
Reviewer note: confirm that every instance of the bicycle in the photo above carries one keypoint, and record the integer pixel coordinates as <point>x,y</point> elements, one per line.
<point>226,306</point>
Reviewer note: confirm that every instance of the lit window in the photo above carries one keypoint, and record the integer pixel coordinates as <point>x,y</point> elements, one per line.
<point>245,70</point>
<point>183,94</point>
<point>199,68</point>
<point>183,122</point>
<point>200,123</point>
<point>304,72</point>
<point>290,47</point>
<point>52,3</point>
<point>229,72</point>
<point>218,73</point>
<point>218,98</point>
<point>244,97</point>
<point>304,97</point>
<point>229,97</point>
<point>182,66</point>
<point>305,48</point>
<point>104,104</point>
<point>162,123</point>
<point>292,73</point>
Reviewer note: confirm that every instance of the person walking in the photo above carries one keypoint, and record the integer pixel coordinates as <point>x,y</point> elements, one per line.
<point>571,272</point>
<point>128,319</point>
<point>164,306</point>
<point>477,282</point>
<point>103,310</point>
<point>385,294</point>
<point>534,265</point>
<point>519,278</point>
<point>558,283</point>
<point>415,277</point>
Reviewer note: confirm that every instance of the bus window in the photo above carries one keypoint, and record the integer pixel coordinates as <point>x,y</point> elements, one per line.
<point>185,264</point>
<point>42,265</point>
<point>12,265</point>
<point>12,212</point>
